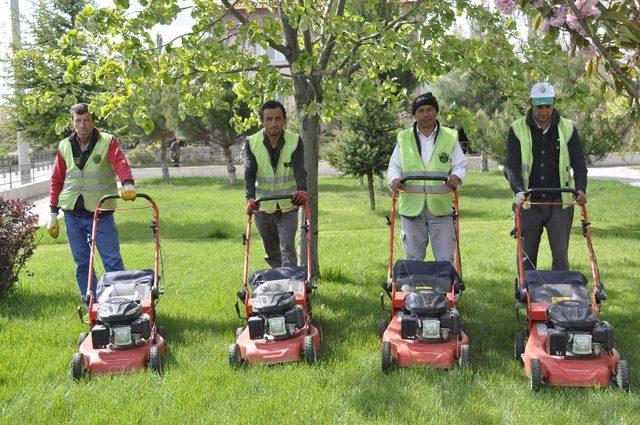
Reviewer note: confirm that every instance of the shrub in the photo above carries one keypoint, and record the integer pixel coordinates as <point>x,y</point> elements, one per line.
<point>140,155</point>
<point>18,226</point>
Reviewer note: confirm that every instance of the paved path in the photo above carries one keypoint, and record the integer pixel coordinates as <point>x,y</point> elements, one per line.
<point>623,174</point>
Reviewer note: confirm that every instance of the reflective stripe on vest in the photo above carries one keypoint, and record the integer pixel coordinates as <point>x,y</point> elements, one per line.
<point>280,182</point>
<point>93,182</point>
<point>439,166</point>
<point>565,131</point>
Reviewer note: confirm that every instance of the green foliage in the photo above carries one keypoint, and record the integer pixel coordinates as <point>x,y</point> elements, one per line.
<point>18,225</point>
<point>44,89</point>
<point>363,146</point>
<point>141,155</point>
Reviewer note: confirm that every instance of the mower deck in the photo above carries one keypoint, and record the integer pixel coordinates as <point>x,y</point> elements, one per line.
<point>568,370</point>
<point>114,360</point>
<point>412,352</point>
<point>275,351</point>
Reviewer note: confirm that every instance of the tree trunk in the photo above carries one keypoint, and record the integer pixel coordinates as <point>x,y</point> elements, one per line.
<point>309,131</point>
<point>380,183</point>
<point>484,161</point>
<point>372,193</point>
<point>231,169</point>
<point>360,183</point>
<point>163,160</point>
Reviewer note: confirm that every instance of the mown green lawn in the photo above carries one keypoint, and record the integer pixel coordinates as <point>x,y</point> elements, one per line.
<point>202,223</point>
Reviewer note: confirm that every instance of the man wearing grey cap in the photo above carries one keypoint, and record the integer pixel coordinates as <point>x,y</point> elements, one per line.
<point>542,150</point>
<point>427,149</point>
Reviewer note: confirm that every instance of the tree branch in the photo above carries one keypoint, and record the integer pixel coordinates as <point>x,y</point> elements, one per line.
<point>323,59</point>
<point>244,21</point>
<point>631,89</point>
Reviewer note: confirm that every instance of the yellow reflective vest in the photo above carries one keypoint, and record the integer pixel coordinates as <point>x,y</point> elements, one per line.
<point>565,131</point>
<point>411,205</point>
<point>93,182</point>
<point>282,181</point>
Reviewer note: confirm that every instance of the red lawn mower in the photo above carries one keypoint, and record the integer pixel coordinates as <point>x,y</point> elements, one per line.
<point>278,311</point>
<point>123,334</point>
<point>567,345</point>
<point>424,326</point>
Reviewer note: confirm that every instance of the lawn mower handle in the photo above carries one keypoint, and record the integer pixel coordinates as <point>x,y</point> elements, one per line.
<point>275,198</point>
<point>536,190</point>
<point>116,196</point>
<point>434,178</point>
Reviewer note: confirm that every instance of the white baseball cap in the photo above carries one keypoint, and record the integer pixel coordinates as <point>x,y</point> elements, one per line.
<point>542,94</point>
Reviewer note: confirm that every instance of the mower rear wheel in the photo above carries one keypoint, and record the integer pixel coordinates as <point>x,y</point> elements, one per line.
<point>162,331</point>
<point>77,367</point>
<point>235,360</point>
<point>536,375</point>
<point>239,331</point>
<point>81,338</point>
<point>382,327</point>
<point>387,359</point>
<point>316,324</point>
<point>155,361</point>
<point>623,377</point>
<point>518,346</point>
<point>309,350</point>
<point>465,356</point>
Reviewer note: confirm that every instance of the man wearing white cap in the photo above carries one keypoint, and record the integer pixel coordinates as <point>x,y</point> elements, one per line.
<point>542,151</point>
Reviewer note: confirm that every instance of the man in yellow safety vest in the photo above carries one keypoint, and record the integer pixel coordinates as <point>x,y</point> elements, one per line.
<point>432,150</point>
<point>543,149</point>
<point>84,170</point>
<point>274,166</point>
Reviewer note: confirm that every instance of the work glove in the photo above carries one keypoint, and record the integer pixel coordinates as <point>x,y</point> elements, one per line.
<point>299,198</point>
<point>519,198</point>
<point>251,206</point>
<point>396,185</point>
<point>128,192</point>
<point>53,228</point>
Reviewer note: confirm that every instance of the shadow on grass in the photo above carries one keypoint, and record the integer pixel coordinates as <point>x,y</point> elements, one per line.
<point>22,304</point>
<point>179,230</point>
<point>191,182</point>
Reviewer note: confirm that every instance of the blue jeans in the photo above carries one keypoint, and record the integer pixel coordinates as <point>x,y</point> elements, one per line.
<point>78,233</point>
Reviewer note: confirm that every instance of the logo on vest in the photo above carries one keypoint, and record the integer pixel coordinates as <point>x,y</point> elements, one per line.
<point>97,159</point>
<point>444,158</point>
<point>288,164</point>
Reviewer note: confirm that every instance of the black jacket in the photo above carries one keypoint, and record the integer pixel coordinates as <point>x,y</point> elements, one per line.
<point>546,157</point>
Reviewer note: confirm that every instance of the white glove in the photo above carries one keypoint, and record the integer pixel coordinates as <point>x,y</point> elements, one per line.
<point>52,226</point>
<point>519,198</point>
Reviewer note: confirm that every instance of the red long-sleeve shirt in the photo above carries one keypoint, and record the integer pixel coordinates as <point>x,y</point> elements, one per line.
<point>115,156</point>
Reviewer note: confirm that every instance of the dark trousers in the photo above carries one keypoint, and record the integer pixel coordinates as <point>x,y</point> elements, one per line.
<point>557,221</point>
<point>278,233</point>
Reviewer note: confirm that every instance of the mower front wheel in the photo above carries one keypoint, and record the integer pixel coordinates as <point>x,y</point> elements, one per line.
<point>518,346</point>
<point>81,338</point>
<point>623,377</point>
<point>235,360</point>
<point>536,375</point>
<point>309,350</point>
<point>465,356</point>
<point>316,324</point>
<point>387,359</point>
<point>382,327</point>
<point>155,361</point>
<point>77,367</point>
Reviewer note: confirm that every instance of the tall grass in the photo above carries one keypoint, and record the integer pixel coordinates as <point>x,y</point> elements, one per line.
<point>201,227</point>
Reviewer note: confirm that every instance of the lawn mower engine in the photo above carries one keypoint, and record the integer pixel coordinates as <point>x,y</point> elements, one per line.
<point>121,324</point>
<point>275,315</point>
<point>573,330</point>
<point>428,317</point>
